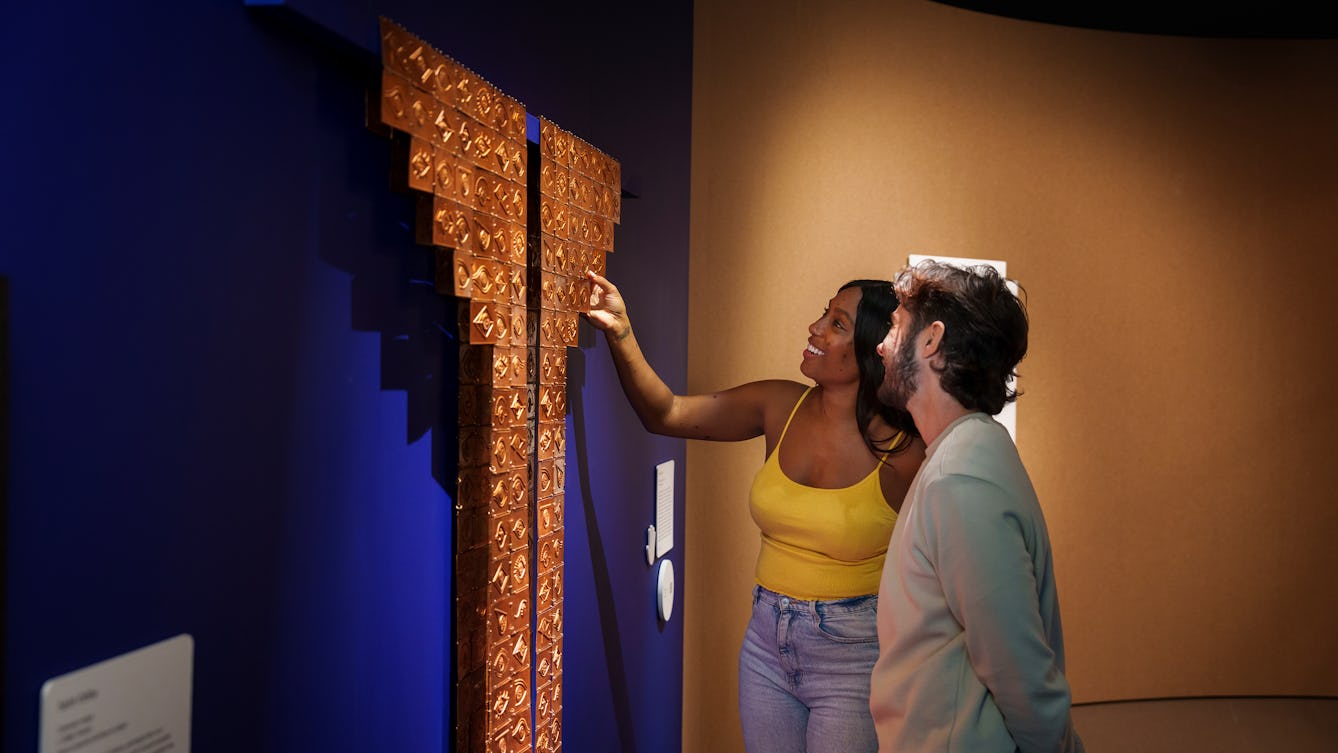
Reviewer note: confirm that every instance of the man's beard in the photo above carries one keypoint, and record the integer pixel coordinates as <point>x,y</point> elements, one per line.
<point>902,378</point>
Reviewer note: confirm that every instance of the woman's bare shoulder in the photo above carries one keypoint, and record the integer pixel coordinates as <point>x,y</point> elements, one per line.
<point>777,398</point>
<point>779,394</point>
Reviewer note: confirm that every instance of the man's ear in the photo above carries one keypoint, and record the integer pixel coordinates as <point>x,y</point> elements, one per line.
<point>931,342</point>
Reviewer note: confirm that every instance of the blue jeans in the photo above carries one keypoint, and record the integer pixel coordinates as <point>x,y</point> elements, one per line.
<point>804,675</point>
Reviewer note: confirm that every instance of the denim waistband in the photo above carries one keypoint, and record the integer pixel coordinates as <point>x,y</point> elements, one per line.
<point>821,606</point>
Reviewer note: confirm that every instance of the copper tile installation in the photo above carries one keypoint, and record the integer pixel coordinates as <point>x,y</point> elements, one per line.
<point>516,264</point>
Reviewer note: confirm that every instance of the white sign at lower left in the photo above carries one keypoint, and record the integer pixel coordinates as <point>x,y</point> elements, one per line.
<point>137,702</point>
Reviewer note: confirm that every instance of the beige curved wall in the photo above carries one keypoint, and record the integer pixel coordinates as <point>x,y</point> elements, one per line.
<point>1171,206</point>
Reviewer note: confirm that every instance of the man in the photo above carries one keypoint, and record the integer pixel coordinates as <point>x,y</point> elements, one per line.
<point>972,652</point>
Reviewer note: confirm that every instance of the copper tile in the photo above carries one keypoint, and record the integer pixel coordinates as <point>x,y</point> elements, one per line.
<point>516,127</point>
<point>552,143</point>
<point>568,331</point>
<point>449,130</point>
<point>544,711</point>
<point>453,178</point>
<point>598,263</point>
<point>510,575</point>
<point>519,327</point>
<point>486,104</point>
<point>453,270</point>
<point>475,446</point>
<point>519,290</point>
<point>550,553</point>
<point>508,407</point>
<point>508,616</point>
<point>553,217</point>
<point>471,599</point>
<point>441,80</point>
<point>512,200</point>
<point>553,180</point>
<point>580,156</point>
<point>510,698</point>
<point>519,243</point>
<point>509,654</point>
<point>485,325</point>
<point>405,108</point>
<point>552,404</point>
<point>548,664</point>
<point>550,515</point>
<point>510,735</point>
<point>452,225</point>
<point>418,167</point>
<point>518,363</point>
<point>470,696</point>
<point>493,233</point>
<point>407,54</point>
<point>550,439</point>
<point>545,478</point>
<point>472,528</point>
<point>471,488</point>
<point>485,193</point>
<point>507,449</point>
<point>548,592</point>
<point>472,405</point>
<point>510,490</point>
<point>547,626</point>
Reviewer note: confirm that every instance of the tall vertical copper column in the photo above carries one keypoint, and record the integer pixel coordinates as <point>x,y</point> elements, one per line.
<point>578,202</point>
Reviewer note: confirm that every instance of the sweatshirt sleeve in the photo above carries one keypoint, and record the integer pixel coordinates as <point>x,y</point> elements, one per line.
<point>984,556</point>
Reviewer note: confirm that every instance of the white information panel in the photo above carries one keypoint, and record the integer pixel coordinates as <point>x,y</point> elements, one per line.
<point>664,507</point>
<point>134,703</point>
<point>1007,416</point>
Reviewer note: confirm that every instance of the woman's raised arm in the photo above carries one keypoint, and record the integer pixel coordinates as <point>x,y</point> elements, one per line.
<point>729,415</point>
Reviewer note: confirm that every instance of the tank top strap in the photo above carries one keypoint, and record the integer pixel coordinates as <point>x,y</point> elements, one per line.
<point>900,435</point>
<point>793,411</point>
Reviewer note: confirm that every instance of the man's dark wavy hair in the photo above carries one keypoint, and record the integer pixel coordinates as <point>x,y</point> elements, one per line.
<point>984,328</point>
<point>873,317</point>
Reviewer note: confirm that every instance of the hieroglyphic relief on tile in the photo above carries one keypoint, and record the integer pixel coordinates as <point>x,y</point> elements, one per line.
<point>515,260</point>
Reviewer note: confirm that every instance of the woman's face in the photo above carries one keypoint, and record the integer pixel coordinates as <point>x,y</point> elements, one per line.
<point>830,354</point>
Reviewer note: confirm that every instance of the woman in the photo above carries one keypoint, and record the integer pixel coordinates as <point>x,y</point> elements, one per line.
<point>838,465</point>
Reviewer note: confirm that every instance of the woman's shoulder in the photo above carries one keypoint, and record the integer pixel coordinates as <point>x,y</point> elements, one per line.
<point>781,393</point>
<point>780,389</point>
<point>778,399</point>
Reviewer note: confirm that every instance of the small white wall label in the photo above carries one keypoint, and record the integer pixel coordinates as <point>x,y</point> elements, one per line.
<point>138,701</point>
<point>664,507</point>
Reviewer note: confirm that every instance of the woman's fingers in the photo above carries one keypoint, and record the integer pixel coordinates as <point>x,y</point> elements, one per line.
<point>602,291</point>
<point>600,281</point>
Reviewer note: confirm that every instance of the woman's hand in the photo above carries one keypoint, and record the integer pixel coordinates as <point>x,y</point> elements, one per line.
<point>608,311</point>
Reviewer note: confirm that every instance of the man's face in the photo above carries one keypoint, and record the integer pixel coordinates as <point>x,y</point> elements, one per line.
<point>900,368</point>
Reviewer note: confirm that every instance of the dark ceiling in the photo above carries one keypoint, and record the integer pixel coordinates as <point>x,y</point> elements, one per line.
<point>1282,19</point>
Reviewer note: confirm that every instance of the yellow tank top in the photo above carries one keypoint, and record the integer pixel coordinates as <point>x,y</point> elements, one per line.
<point>819,543</point>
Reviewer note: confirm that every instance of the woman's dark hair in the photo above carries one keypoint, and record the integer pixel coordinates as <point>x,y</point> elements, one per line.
<point>873,317</point>
<point>984,329</point>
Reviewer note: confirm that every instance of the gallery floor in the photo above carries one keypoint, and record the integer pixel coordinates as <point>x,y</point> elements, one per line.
<point>1210,725</point>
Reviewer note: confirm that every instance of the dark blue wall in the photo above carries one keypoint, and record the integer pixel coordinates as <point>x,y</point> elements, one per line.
<point>231,402</point>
